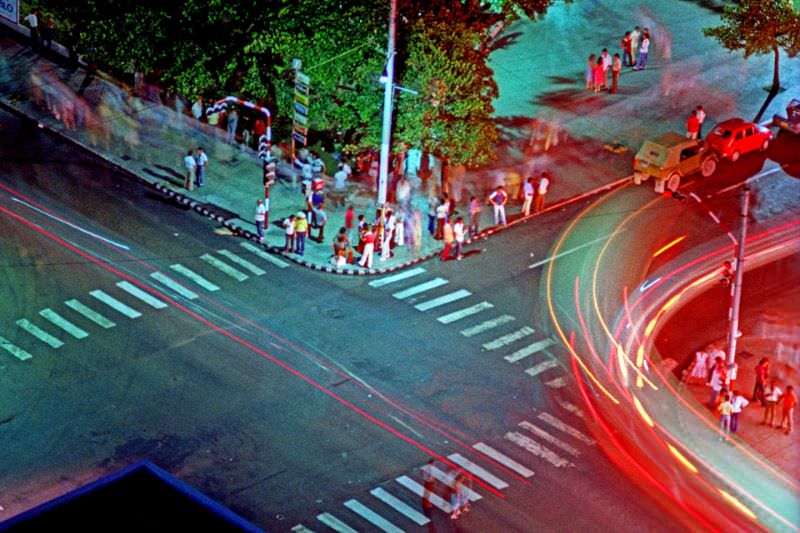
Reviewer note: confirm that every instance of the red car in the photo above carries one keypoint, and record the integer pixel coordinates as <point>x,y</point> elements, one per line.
<point>735,136</point>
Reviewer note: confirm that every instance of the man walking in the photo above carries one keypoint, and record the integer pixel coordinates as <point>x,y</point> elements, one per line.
<point>191,169</point>
<point>261,215</point>
<point>498,200</point>
<point>202,163</point>
<point>541,192</point>
<point>528,192</point>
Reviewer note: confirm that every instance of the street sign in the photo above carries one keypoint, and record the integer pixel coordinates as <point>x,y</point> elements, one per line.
<point>301,119</point>
<point>302,98</point>
<point>299,77</point>
<point>301,130</point>
<point>302,88</point>
<point>300,108</point>
<point>299,138</point>
<point>9,9</point>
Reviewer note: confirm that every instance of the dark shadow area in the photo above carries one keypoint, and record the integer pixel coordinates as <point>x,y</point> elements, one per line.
<point>576,100</point>
<point>503,42</point>
<point>563,80</point>
<point>170,171</point>
<point>784,151</point>
<point>170,201</point>
<point>172,178</point>
<point>715,6</point>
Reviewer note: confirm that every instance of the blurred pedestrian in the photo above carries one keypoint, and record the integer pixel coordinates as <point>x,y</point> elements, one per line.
<point>428,481</point>
<point>738,402</point>
<point>498,200</point>
<point>260,216</point>
<point>441,217</point>
<point>716,381</point>
<point>616,68</point>
<point>541,191</point>
<point>300,233</point>
<point>474,207</point>
<point>607,60</point>
<point>202,164</point>
<point>762,376</point>
<point>725,409</point>
<point>458,235</point>
<point>692,125</point>
<point>190,164</point>
<point>390,221</point>
<point>339,191</point>
<point>233,123</point>
<point>33,23</point>
<point>772,393</point>
<point>319,217</point>
<point>788,403</point>
<point>625,44</point>
<point>198,111</point>
<point>528,194</point>
<point>447,237</point>
<point>349,217</point>
<point>636,35</point>
<point>701,117</point>
<point>433,204</point>
<point>48,32</point>
<point>400,229</point>
<point>369,247</point>
<point>644,47</point>
<point>589,77</point>
<point>288,231</point>
<point>597,75</point>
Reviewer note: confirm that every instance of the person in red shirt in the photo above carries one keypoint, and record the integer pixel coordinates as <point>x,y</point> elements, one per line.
<point>369,247</point>
<point>788,402</point>
<point>693,126</point>
<point>627,56</point>
<point>349,217</point>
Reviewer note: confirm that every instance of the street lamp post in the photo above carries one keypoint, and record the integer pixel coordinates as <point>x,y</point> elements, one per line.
<point>736,289</point>
<point>388,93</point>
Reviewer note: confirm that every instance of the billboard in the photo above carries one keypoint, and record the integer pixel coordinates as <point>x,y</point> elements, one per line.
<point>9,9</point>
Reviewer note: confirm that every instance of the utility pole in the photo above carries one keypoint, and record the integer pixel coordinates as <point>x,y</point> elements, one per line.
<point>388,93</point>
<point>736,288</point>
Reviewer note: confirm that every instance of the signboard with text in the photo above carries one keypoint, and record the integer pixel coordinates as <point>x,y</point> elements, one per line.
<point>9,10</point>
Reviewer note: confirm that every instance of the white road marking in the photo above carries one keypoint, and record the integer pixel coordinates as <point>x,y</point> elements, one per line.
<point>147,298</point>
<point>567,252</point>
<point>371,516</point>
<point>62,323</point>
<point>242,262</point>
<point>537,449</point>
<point>556,383</point>
<point>422,287</point>
<point>194,276</point>
<point>224,267</point>
<point>555,441</point>
<point>419,490</point>
<point>300,528</point>
<point>115,304</point>
<point>503,459</point>
<point>405,274</point>
<point>566,428</point>
<point>91,314</point>
<point>174,285</point>
<point>443,300</point>
<point>571,407</point>
<point>478,471</point>
<point>463,313</point>
<point>334,523</point>
<point>541,367</point>
<point>264,255</point>
<point>400,506</point>
<point>450,480</point>
<point>508,339</point>
<point>39,333</point>
<point>530,349</point>
<point>487,325</point>
<point>14,350</point>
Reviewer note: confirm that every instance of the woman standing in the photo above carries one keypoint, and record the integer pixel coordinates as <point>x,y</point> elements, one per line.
<point>589,76</point>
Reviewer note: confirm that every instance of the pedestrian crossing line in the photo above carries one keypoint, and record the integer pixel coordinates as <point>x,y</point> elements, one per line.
<point>115,304</point>
<point>242,262</point>
<point>443,300</point>
<point>478,471</point>
<point>264,255</point>
<point>371,516</point>
<point>91,314</point>
<point>62,323</point>
<point>225,268</point>
<point>555,441</point>
<point>334,523</point>
<point>566,428</point>
<point>450,480</point>
<point>487,325</point>
<point>14,350</point>
<point>463,313</point>
<point>135,291</point>
<point>503,459</point>
<point>400,506</point>
<point>422,287</point>
<point>300,528</point>
<point>541,367</point>
<point>419,490</point>
<point>508,339</point>
<point>531,349</point>
<point>39,333</point>
<point>537,449</point>
<point>174,285</point>
<point>194,276</point>
<point>556,383</point>
<point>571,407</point>
<point>394,278</point>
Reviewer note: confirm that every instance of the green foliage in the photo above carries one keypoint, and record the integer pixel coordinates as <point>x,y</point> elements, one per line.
<point>759,27</point>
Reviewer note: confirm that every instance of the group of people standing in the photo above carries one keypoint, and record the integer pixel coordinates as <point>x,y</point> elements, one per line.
<point>635,47</point>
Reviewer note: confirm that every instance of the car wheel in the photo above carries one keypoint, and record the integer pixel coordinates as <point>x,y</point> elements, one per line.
<point>735,156</point>
<point>765,145</point>
<point>708,167</point>
<point>674,181</point>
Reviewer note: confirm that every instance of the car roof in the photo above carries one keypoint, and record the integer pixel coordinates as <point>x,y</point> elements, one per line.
<point>672,139</point>
<point>734,123</point>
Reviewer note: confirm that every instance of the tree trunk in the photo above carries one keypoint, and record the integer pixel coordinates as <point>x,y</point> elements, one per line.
<point>776,79</point>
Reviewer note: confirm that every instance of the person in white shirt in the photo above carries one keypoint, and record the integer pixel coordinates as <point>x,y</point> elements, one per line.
<point>197,108</point>
<point>528,193</point>
<point>33,21</point>
<point>641,63</point>
<point>772,393</point>
<point>541,192</point>
<point>260,216</point>
<point>635,35</point>
<point>458,234</point>
<point>738,402</point>
<point>191,169</point>
<point>202,162</point>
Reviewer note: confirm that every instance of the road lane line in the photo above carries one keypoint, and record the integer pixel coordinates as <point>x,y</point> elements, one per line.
<point>394,278</point>
<point>544,435</point>
<point>334,523</point>
<point>567,252</point>
<point>91,314</point>
<point>571,407</point>
<point>531,349</point>
<point>419,490</point>
<point>487,325</point>
<point>443,300</point>
<point>115,304</point>
<point>14,350</point>
<point>400,506</point>
<point>566,428</point>
<point>300,528</point>
<point>39,333</point>
<point>541,367</point>
<point>147,298</point>
<point>371,516</point>
<point>242,262</point>
<point>194,276</point>
<point>264,255</point>
<point>463,313</point>
<point>62,323</point>
<point>422,287</point>
<point>503,459</point>
<point>556,383</point>
<point>450,480</point>
<point>508,339</point>
<point>224,267</point>
<point>174,285</point>
<point>537,449</point>
<point>478,471</point>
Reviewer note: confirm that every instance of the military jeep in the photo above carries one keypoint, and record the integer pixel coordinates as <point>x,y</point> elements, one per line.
<point>671,157</point>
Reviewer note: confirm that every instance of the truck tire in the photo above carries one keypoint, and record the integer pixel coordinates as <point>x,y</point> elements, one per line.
<point>708,167</point>
<point>673,182</point>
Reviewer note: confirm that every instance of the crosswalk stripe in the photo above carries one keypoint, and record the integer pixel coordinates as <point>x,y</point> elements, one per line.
<point>419,490</point>
<point>537,449</point>
<point>371,516</point>
<point>556,383</point>
<point>503,459</point>
<point>566,428</point>
<point>62,323</point>
<point>487,325</point>
<point>39,333</point>
<point>443,300</point>
<point>450,480</point>
<point>334,523</point>
<point>479,471</point>
<point>115,304</point>
<point>508,339</point>
<point>571,407</point>
<point>394,278</point>
<point>528,350</point>
<point>264,255</point>
<point>242,262</point>
<point>91,314</point>
<point>422,287</point>
<point>541,367</point>
<point>174,285</point>
<point>400,506</point>
<point>14,350</point>
<point>225,268</point>
<point>300,528</point>
<point>552,439</point>
<point>463,313</point>
<point>147,298</point>
<point>194,276</point>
